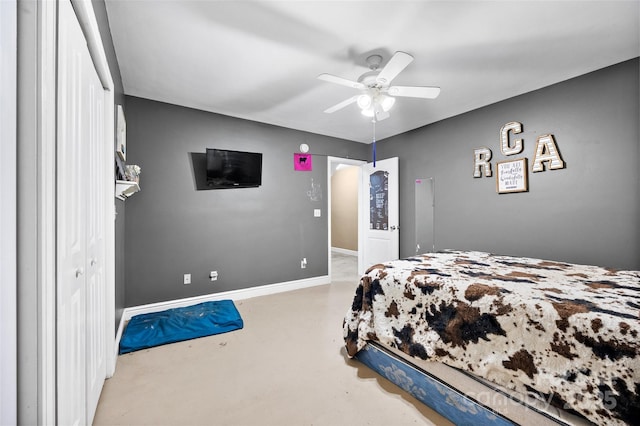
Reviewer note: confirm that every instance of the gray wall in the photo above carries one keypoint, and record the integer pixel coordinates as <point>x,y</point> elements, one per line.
<point>586,213</point>
<point>251,236</point>
<point>120,259</point>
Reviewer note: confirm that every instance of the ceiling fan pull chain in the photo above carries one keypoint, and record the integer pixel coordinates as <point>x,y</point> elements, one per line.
<point>374,142</point>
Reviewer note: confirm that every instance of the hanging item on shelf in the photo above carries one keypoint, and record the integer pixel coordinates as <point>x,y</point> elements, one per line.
<point>129,183</point>
<point>132,172</point>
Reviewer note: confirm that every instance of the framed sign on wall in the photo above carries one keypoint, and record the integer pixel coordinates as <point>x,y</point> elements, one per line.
<point>302,162</point>
<point>511,176</point>
<point>121,135</point>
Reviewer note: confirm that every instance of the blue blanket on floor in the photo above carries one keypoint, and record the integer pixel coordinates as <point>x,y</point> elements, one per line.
<point>175,325</point>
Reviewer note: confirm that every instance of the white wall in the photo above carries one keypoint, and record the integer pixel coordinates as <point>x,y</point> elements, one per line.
<point>8,342</point>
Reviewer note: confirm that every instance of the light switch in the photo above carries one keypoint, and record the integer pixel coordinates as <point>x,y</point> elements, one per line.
<point>316,212</point>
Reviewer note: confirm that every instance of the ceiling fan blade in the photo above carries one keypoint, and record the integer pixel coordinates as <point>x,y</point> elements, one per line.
<point>342,81</point>
<point>396,64</point>
<point>414,91</point>
<point>341,104</point>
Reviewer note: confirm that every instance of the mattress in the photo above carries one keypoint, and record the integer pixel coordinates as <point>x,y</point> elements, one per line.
<point>564,334</point>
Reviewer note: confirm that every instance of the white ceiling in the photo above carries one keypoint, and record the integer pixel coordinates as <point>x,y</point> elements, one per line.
<point>259,60</point>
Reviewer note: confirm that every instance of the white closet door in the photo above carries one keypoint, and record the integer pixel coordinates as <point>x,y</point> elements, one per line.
<point>95,280</point>
<point>71,224</point>
<point>80,227</point>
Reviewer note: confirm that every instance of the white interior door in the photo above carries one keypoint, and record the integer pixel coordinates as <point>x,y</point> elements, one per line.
<point>378,224</point>
<point>80,329</point>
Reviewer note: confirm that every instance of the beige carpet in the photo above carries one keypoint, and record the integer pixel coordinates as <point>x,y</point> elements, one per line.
<point>287,366</point>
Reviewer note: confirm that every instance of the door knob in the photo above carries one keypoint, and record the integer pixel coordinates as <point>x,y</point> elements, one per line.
<point>393,228</point>
<point>79,272</point>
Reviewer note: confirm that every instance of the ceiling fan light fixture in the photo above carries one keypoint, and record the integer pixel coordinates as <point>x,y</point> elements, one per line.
<point>367,112</point>
<point>387,102</point>
<point>364,101</point>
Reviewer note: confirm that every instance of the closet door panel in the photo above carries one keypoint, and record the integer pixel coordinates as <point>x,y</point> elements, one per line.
<point>71,222</point>
<point>95,239</point>
<point>81,328</point>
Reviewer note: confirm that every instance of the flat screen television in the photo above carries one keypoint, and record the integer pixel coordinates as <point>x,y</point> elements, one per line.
<point>233,169</point>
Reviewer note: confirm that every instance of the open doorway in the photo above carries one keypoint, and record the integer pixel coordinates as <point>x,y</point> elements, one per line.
<point>343,180</point>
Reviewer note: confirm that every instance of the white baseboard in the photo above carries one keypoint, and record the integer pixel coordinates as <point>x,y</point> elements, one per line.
<point>121,326</point>
<point>241,294</point>
<point>345,251</point>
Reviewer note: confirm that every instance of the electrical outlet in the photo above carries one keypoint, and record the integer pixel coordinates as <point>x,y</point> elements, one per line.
<point>187,278</point>
<point>303,263</point>
<point>213,275</point>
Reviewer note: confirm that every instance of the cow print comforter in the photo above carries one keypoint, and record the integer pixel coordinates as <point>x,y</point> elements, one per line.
<point>566,333</point>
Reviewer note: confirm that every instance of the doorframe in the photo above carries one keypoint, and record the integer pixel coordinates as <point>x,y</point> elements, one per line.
<point>8,174</point>
<point>333,162</point>
<point>36,254</point>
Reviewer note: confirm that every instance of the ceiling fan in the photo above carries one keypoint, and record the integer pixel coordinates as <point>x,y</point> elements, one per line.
<point>377,95</point>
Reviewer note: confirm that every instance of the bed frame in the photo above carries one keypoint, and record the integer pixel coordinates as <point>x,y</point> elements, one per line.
<point>439,387</point>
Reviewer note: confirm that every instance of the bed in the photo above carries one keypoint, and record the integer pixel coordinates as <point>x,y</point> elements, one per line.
<point>556,337</point>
